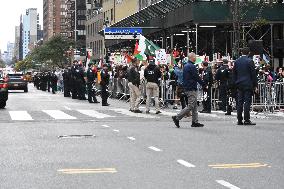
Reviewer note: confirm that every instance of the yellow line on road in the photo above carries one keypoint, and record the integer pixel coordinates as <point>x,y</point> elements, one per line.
<point>219,165</point>
<point>237,166</point>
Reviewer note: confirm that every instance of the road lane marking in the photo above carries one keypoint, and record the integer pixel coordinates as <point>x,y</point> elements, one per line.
<point>95,114</point>
<point>106,126</point>
<point>57,114</point>
<point>238,166</point>
<point>226,184</point>
<point>20,116</point>
<point>87,171</point>
<point>115,130</point>
<point>67,108</point>
<point>185,163</point>
<point>128,113</point>
<point>131,138</point>
<point>155,149</point>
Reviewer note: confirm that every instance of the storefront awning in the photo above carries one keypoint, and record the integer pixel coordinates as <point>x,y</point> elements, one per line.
<point>157,10</point>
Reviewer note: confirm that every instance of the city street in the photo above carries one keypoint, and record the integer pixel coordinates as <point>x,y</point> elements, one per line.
<point>48,141</point>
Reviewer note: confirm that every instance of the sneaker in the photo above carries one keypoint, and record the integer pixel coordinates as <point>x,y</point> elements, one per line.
<point>176,121</point>
<point>137,111</point>
<point>197,125</point>
<point>249,123</point>
<point>158,112</point>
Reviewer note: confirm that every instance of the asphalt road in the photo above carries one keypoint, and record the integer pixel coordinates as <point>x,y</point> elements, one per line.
<point>43,147</point>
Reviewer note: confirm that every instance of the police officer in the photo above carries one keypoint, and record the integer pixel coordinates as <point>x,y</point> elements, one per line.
<point>53,82</point>
<point>207,78</point>
<point>48,80</point>
<point>222,77</point>
<point>74,88</point>
<point>81,83</point>
<point>91,76</point>
<point>231,89</point>
<point>105,77</point>
<point>67,82</point>
<point>152,75</point>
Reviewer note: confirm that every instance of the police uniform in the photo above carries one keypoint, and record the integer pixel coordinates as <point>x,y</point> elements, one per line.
<point>91,76</point>
<point>208,81</point>
<point>105,77</point>
<point>222,77</point>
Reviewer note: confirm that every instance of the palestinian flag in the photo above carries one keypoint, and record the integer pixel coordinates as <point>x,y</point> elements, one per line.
<point>147,47</point>
<point>136,53</point>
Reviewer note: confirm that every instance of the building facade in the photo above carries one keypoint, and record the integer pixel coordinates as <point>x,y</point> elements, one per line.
<point>30,28</point>
<point>16,52</point>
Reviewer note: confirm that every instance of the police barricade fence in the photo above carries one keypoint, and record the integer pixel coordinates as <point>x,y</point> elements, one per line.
<point>270,96</point>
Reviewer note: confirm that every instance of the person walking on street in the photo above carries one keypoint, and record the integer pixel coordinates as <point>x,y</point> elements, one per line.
<point>190,80</point>
<point>244,75</point>
<point>152,75</point>
<point>133,84</point>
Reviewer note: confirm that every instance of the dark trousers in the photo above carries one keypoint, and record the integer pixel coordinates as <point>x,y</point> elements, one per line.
<point>223,96</point>
<point>54,87</point>
<point>207,101</point>
<point>66,90</point>
<point>91,93</point>
<point>244,104</point>
<point>104,94</point>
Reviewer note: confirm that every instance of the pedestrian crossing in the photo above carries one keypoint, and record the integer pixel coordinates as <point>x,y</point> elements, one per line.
<point>75,114</point>
<point>85,114</point>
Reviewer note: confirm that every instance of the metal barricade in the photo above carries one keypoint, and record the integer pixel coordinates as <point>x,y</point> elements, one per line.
<point>269,96</point>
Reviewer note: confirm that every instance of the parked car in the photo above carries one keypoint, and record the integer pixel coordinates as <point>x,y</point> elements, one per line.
<point>3,93</point>
<point>17,81</point>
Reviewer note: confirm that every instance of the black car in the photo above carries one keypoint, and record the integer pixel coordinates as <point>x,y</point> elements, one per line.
<point>17,81</point>
<point>3,93</point>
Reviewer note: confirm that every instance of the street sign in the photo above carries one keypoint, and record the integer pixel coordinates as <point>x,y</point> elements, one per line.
<point>122,33</point>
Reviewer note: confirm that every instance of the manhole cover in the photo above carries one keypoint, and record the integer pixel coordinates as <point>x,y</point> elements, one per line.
<point>76,136</point>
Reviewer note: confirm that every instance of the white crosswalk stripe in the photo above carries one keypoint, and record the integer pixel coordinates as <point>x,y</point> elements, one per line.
<point>131,114</point>
<point>57,114</point>
<point>20,116</point>
<point>94,114</point>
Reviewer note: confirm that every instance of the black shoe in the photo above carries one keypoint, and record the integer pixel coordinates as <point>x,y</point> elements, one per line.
<point>131,110</point>
<point>228,113</point>
<point>197,125</point>
<point>176,121</point>
<point>240,123</point>
<point>147,112</point>
<point>249,123</point>
<point>97,102</point>
<point>137,111</point>
<point>175,107</point>
<point>105,104</point>
<point>158,112</point>
<point>205,111</point>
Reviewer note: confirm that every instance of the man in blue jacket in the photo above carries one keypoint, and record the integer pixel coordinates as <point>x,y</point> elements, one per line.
<point>190,80</point>
<point>245,79</point>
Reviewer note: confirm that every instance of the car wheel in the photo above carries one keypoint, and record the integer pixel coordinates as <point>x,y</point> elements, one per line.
<point>2,105</point>
<point>26,90</point>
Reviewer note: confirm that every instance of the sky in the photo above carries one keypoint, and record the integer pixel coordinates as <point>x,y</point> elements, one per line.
<point>10,12</point>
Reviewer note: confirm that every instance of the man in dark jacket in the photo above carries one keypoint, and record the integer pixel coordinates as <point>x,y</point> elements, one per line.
<point>190,80</point>
<point>207,78</point>
<point>91,76</point>
<point>133,84</point>
<point>246,81</point>
<point>152,75</point>
<point>67,82</point>
<point>105,77</point>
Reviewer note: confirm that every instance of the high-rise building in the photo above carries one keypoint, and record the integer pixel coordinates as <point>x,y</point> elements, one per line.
<point>76,21</point>
<point>10,50</point>
<point>47,19</point>
<point>16,53</point>
<point>30,28</point>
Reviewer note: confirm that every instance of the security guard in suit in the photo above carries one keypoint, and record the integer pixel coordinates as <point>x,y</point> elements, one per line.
<point>245,79</point>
